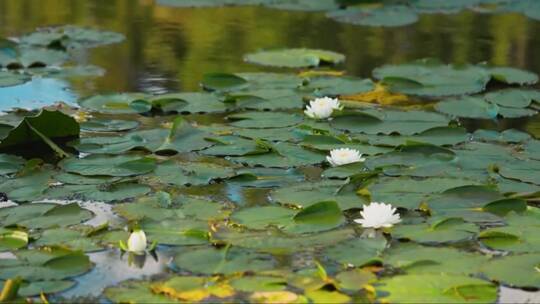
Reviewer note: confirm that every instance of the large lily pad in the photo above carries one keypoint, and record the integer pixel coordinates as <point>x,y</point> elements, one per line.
<point>122,165</point>
<point>440,288</point>
<point>515,270</point>
<point>295,58</point>
<point>427,78</point>
<point>386,15</point>
<point>389,121</point>
<point>225,260</point>
<point>47,127</point>
<point>357,252</point>
<point>69,36</point>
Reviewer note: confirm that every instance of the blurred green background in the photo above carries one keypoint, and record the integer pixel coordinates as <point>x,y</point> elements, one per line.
<point>170,48</point>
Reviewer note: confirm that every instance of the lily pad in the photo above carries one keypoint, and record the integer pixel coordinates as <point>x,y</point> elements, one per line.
<point>225,261</point>
<point>47,127</point>
<point>440,288</point>
<point>517,236</point>
<point>122,165</point>
<point>261,120</point>
<point>386,15</point>
<point>181,174</point>
<point>427,78</point>
<point>416,259</point>
<point>126,103</point>
<point>109,125</point>
<point>295,58</point>
<point>357,252</point>
<point>389,121</point>
<point>437,231</point>
<point>515,270</point>
<point>513,76</point>
<point>307,194</point>
<point>69,37</point>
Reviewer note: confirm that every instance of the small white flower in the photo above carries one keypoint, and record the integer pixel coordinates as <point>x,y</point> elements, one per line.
<point>344,156</point>
<point>377,215</point>
<point>322,108</point>
<point>137,241</point>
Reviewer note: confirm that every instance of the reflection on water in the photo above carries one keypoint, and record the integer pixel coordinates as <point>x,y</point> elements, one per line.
<point>112,268</point>
<point>37,93</point>
<point>170,48</point>
<point>510,295</point>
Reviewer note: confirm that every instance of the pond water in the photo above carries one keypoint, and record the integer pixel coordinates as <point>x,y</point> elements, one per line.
<point>170,49</point>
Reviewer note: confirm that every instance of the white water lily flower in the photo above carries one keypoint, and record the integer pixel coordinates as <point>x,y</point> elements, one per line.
<point>322,108</point>
<point>137,241</point>
<point>344,156</point>
<point>378,215</point>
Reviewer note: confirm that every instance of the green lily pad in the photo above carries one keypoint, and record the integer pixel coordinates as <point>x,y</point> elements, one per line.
<point>43,265</point>
<point>515,270</point>
<point>181,174</point>
<point>294,58</point>
<point>261,120</point>
<point>506,136</point>
<point>222,82</point>
<point>409,193</point>
<point>426,78</point>
<point>176,231</point>
<point>437,288</point>
<point>513,76</point>
<point>281,155</point>
<point>125,103</point>
<point>225,261</point>
<point>44,215</point>
<point>47,127</point>
<point>265,99</point>
<point>197,102</point>
<point>122,165</point>
<point>307,194</point>
<point>517,236</point>
<point>525,171</point>
<point>357,252</point>
<point>389,121</point>
<point>437,231</point>
<point>266,177</point>
<point>334,86</point>
<point>106,192</point>
<point>279,243</point>
<point>302,5</point>
<point>46,287</point>
<point>28,185</point>
<point>259,283</point>
<point>10,164</point>
<point>69,37</point>
<point>467,202</point>
<point>136,292</point>
<point>513,98</point>
<point>416,259</point>
<point>385,15</point>
<point>476,107</point>
<point>109,125</point>
<point>69,238</point>
<point>264,216</point>
<point>12,239</point>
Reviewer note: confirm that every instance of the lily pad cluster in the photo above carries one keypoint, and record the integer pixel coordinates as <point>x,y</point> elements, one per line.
<point>246,204</point>
<point>377,13</point>
<point>48,52</point>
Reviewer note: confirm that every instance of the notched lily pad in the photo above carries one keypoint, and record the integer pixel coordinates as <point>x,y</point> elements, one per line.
<point>295,58</point>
